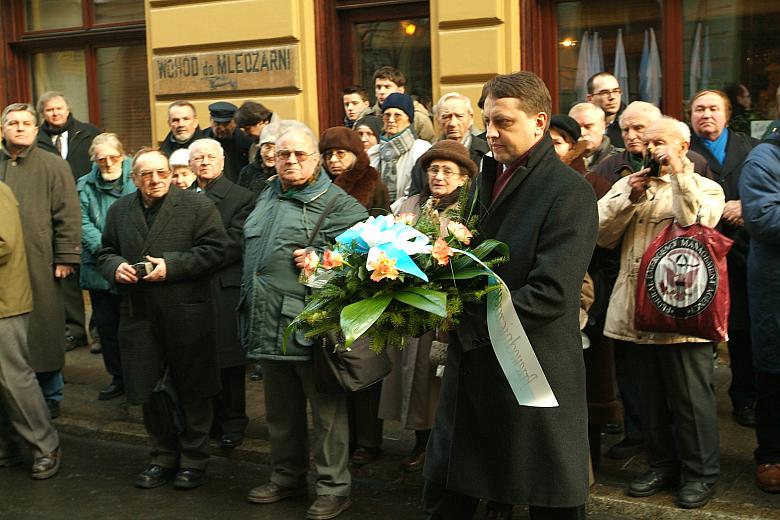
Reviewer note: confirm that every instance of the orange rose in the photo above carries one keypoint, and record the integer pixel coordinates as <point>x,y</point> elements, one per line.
<point>406,218</point>
<point>383,267</point>
<point>310,263</point>
<point>441,251</point>
<point>332,259</point>
<point>460,232</point>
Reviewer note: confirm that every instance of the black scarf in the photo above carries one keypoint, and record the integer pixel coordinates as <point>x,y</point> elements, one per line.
<point>67,127</point>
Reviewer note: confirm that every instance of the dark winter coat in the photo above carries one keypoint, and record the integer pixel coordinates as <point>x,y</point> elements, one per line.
<point>484,444</point>
<point>51,223</point>
<point>177,313</point>
<point>759,190</point>
<point>271,295</point>
<point>619,165</point>
<point>95,197</point>
<point>727,175</point>
<point>254,175</point>
<point>234,204</point>
<point>80,136</point>
<point>170,145</point>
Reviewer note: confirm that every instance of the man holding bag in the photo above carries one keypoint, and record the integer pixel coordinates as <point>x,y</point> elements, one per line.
<point>677,401</point>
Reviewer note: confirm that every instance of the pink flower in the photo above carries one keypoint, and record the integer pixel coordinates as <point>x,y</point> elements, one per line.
<point>441,251</point>
<point>383,267</point>
<point>310,263</point>
<point>406,218</point>
<point>460,232</point>
<point>332,259</point>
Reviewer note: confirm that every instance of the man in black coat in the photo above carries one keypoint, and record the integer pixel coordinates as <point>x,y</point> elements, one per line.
<point>234,204</point>
<point>64,135</point>
<point>484,444</point>
<point>234,141</point>
<point>725,152</point>
<point>166,318</point>
<point>183,121</point>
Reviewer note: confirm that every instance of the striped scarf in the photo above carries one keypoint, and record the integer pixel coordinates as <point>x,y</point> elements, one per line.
<point>390,149</point>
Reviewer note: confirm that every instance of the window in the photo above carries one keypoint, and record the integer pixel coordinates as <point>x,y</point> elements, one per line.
<point>94,51</point>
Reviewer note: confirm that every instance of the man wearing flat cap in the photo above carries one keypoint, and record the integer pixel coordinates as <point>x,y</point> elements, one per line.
<point>234,141</point>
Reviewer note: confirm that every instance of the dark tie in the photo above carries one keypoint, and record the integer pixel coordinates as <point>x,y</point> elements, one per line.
<point>58,143</point>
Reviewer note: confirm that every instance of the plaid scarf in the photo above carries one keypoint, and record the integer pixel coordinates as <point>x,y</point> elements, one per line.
<point>390,149</point>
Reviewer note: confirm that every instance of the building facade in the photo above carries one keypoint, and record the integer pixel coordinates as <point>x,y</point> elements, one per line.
<point>121,62</point>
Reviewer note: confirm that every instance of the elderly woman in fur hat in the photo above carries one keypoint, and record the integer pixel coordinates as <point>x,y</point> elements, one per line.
<point>410,393</point>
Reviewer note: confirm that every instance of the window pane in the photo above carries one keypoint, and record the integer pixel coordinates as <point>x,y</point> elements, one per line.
<point>52,14</point>
<point>580,23</point>
<point>403,44</point>
<point>64,71</point>
<point>114,11</point>
<point>124,94</point>
<point>728,43</point>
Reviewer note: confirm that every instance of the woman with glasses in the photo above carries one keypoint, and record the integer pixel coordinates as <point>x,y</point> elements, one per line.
<point>396,155</point>
<point>411,392</point>
<point>108,180</point>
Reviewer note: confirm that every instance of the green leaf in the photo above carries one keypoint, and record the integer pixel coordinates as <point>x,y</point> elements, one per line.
<point>358,317</point>
<point>488,246</point>
<point>461,274</point>
<point>427,300</point>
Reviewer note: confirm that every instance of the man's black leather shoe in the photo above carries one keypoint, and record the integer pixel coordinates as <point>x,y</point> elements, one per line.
<point>228,441</point>
<point>72,342</point>
<point>694,494</point>
<point>651,483</point>
<point>189,478</point>
<point>745,415</point>
<point>115,389</point>
<point>154,476</point>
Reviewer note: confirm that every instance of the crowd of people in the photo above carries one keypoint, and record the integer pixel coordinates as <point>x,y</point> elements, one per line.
<point>191,254</point>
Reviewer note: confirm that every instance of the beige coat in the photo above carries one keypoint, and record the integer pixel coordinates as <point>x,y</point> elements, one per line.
<point>681,197</point>
<point>15,290</point>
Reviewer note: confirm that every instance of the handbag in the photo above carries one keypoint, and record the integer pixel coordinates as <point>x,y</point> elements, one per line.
<point>337,368</point>
<point>682,284</point>
<point>165,405</point>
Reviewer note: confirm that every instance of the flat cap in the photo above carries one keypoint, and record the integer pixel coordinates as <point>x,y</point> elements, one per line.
<point>222,111</point>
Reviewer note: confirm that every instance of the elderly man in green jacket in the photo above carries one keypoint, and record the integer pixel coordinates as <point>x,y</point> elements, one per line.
<point>276,234</point>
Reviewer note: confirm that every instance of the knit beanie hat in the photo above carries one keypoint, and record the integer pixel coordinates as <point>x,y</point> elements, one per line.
<point>180,157</point>
<point>341,138</point>
<point>373,122</point>
<point>567,126</point>
<point>449,150</point>
<point>402,102</point>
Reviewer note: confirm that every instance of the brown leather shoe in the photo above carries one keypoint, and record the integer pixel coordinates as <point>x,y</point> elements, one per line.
<point>46,466</point>
<point>363,456</point>
<point>413,462</point>
<point>269,493</point>
<point>328,506</point>
<point>768,478</point>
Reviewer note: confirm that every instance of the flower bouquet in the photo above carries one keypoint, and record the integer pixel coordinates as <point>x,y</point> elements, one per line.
<point>390,277</point>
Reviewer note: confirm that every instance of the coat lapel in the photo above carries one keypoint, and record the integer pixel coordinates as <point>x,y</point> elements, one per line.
<point>163,217</point>
<point>137,216</point>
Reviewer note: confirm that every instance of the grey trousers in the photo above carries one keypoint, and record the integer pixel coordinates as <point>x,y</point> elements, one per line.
<point>288,385</point>
<point>679,411</point>
<point>22,407</point>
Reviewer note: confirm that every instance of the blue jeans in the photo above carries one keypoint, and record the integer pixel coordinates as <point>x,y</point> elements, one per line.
<point>51,384</point>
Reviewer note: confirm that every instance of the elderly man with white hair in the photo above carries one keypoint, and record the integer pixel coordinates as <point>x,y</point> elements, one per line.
<point>592,127</point>
<point>677,401</point>
<point>234,204</point>
<point>301,208</point>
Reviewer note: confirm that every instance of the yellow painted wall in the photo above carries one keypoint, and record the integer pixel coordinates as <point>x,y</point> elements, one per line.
<point>470,43</point>
<point>189,26</point>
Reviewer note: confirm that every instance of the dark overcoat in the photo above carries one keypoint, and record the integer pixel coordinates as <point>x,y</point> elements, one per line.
<point>234,204</point>
<point>80,137</point>
<point>51,222</point>
<point>170,320</point>
<point>738,147</point>
<point>483,443</point>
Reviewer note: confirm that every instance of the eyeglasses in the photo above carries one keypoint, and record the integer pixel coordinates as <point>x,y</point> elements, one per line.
<point>300,155</point>
<point>200,158</point>
<point>338,154</point>
<point>613,92</point>
<point>108,158</point>
<point>147,174</point>
<point>435,170</point>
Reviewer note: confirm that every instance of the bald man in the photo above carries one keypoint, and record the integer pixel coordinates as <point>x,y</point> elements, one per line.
<point>675,383</point>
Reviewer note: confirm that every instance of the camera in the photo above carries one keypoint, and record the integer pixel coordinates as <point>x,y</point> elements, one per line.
<point>143,268</point>
<point>650,162</point>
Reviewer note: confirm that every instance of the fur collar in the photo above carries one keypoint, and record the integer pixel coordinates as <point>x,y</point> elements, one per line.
<point>360,181</point>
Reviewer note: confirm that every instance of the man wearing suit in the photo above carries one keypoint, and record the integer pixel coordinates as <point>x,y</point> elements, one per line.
<point>483,444</point>
<point>725,152</point>
<point>234,203</point>
<point>64,135</point>
<point>166,317</point>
